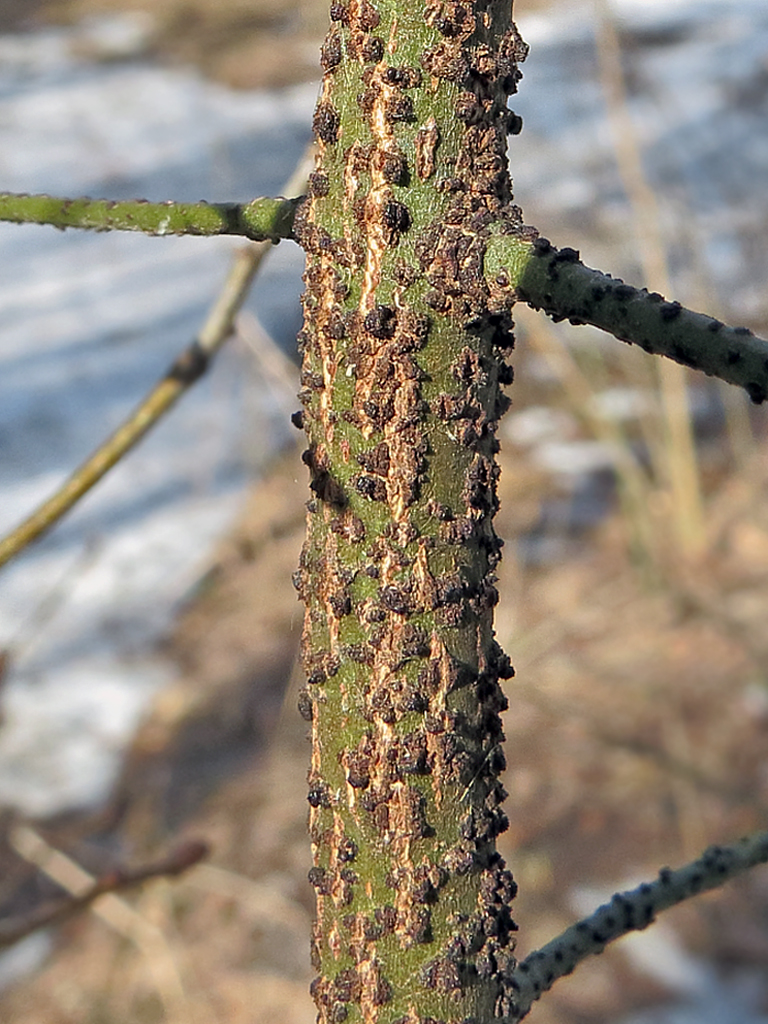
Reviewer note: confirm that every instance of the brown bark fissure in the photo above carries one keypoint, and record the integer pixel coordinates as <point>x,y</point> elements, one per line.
<point>403,346</point>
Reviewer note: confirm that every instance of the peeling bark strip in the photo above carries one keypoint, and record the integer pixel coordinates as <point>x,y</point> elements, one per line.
<point>404,347</point>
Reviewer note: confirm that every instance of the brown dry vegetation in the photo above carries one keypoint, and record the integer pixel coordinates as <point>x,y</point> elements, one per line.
<point>636,733</point>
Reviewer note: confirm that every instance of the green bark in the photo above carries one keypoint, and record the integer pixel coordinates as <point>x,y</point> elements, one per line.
<point>404,348</point>
<point>261,220</point>
<point>559,283</point>
<point>632,911</point>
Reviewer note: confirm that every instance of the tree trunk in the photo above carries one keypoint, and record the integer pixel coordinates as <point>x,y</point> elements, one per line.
<point>403,345</point>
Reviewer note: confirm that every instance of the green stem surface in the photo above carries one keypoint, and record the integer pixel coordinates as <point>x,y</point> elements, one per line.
<point>266,219</point>
<point>403,366</point>
<point>633,911</point>
<point>559,283</point>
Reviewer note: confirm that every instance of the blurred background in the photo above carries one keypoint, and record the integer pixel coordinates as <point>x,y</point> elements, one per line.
<point>149,643</point>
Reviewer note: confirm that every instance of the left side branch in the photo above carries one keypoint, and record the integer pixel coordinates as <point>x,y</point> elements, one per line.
<point>187,368</point>
<point>265,219</point>
<point>632,911</point>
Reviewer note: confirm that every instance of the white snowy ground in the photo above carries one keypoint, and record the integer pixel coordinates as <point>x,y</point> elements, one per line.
<point>698,82</point>
<point>88,321</point>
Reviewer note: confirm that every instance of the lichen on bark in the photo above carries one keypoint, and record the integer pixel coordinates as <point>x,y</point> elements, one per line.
<point>404,345</point>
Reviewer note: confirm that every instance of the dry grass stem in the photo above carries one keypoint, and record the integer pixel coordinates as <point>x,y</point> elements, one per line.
<point>184,372</point>
<point>676,458</point>
<point>160,960</point>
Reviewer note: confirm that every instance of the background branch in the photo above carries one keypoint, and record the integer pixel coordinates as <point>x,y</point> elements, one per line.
<point>675,457</point>
<point>175,863</point>
<point>161,958</point>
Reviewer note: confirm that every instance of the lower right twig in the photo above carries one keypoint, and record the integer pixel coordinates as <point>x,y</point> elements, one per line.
<point>632,911</point>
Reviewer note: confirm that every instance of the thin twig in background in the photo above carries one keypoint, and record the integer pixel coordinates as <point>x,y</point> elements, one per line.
<point>702,292</point>
<point>26,842</point>
<point>116,913</point>
<point>274,365</point>
<point>186,369</point>
<point>262,902</point>
<point>633,482</point>
<point>58,593</point>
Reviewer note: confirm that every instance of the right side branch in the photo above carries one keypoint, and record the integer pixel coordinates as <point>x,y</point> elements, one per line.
<point>557,282</point>
<point>632,911</point>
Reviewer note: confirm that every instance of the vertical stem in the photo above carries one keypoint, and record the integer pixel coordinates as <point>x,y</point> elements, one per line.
<point>403,347</point>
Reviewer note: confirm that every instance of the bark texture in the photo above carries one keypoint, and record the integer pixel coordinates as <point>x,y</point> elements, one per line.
<point>404,346</point>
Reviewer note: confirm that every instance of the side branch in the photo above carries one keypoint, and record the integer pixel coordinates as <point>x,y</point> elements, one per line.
<point>632,911</point>
<point>265,219</point>
<point>186,369</point>
<point>559,283</point>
